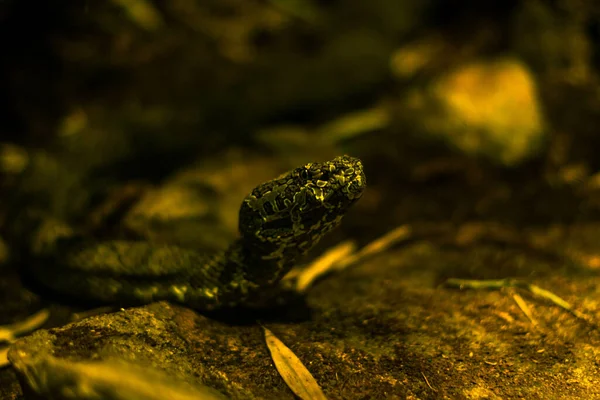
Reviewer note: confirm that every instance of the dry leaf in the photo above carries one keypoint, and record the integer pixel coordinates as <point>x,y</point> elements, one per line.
<point>291,369</point>
<point>324,264</point>
<point>4,357</point>
<point>52,378</point>
<point>9,332</point>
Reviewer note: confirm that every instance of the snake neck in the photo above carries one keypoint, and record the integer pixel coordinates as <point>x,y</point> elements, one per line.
<point>262,264</point>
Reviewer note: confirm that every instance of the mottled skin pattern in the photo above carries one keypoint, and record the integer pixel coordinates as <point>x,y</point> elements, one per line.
<point>279,221</point>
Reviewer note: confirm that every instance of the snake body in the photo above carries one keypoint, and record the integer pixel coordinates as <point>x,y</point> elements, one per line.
<point>279,221</point>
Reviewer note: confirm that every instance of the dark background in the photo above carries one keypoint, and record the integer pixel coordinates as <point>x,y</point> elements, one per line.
<point>476,121</point>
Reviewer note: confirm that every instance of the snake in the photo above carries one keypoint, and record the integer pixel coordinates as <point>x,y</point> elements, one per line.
<point>279,222</point>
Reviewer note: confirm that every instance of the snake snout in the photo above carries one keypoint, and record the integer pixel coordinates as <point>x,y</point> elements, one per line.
<point>352,176</point>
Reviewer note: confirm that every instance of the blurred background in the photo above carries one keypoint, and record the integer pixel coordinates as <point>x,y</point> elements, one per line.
<point>474,120</point>
<point>424,91</point>
<point>461,112</point>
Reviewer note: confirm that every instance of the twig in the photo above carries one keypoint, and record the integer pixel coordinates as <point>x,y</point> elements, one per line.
<point>506,283</point>
<point>427,382</point>
<point>524,307</point>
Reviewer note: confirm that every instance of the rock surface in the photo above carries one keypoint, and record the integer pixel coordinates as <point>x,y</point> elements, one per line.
<point>383,329</point>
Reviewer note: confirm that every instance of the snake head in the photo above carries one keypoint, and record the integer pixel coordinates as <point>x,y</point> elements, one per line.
<point>301,206</point>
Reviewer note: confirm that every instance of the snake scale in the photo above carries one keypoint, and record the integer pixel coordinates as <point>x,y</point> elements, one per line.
<point>279,221</point>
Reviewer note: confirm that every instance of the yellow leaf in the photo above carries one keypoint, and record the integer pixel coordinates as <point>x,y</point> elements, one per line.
<point>291,369</point>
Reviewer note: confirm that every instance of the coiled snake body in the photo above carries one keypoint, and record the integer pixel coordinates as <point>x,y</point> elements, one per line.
<point>279,221</point>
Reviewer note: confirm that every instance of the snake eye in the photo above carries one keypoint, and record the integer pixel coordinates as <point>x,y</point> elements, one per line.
<point>304,174</point>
